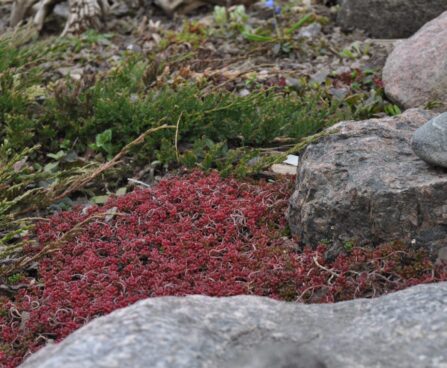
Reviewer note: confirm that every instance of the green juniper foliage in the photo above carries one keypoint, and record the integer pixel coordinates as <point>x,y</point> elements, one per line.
<point>108,113</point>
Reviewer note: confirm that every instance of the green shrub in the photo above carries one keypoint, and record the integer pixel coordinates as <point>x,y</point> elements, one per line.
<point>120,105</point>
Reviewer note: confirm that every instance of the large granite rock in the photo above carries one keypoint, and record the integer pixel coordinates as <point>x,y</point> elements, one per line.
<point>363,183</point>
<point>415,72</point>
<point>389,18</point>
<point>404,329</point>
<point>430,141</point>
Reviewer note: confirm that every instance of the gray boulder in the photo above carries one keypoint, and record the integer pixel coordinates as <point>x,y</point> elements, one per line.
<point>415,72</point>
<point>404,329</point>
<point>364,184</point>
<point>389,18</point>
<point>430,141</point>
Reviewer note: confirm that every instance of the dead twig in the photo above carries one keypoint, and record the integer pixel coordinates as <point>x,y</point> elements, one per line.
<point>176,136</point>
<point>83,180</point>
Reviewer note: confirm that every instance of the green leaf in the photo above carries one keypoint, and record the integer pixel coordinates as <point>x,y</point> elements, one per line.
<point>220,15</point>
<point>303,21</point>
<point>392,110</point>
<point>257,38</point>
<point>56,156</point>
<point>121,191</point>
<point>238,15</point>
<point>355,99</point>
<point>104,138</point>
<point>51,167</point>
<point>347,54</point>
<point>209,143</point>
<point>104,142</point>
<point>101,199</point>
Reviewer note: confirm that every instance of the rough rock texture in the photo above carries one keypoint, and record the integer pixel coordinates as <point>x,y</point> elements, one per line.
<point>430,141</point>
<point>363,183</point>
<point>415,72</point>
<point>389,18</point>
<point>404,329</point>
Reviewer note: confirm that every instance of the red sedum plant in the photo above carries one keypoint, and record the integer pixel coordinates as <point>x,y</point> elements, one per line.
<point>196,234</point>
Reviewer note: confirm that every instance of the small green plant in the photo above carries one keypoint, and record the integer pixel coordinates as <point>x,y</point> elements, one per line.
<point>325,241</point>
<point>103,142</point>
<point>392,110</point>
<point>238,16</point>
<point>305,20</point>
<point>192,32</point>
<point>257,37</point>
<point>431,105</point>
<point>283,36</point>
<point>231,20</point>
<point>15,278</point>
<point>355,51</point>
<point>108,114</point>
<point>220,15</point>
<point>348,246</point>
<point>52,166</point>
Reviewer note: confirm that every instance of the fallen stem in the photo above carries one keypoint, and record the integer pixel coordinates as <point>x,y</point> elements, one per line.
<point>85,179</point>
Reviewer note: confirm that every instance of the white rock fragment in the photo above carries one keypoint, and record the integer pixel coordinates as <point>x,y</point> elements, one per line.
<point>292,160</point>
<point>282,169</point>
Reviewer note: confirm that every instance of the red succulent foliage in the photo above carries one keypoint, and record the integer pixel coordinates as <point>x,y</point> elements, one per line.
<point>195,234</point>
<point>378,82</point>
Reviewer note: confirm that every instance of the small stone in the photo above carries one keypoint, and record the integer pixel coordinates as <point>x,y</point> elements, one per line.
<point>442,257</point>
<point>133,48</point>
<point>244,92</point>
<point>76,76</point>
<point>430,141</point>
<point>310,32</point>
<point>293,82</point>
<point>283,169</point>
<point>254,161</point>
<point>320,76</point>
<point>343,69</point>
<point>292,160</point>
<point>339,93</point>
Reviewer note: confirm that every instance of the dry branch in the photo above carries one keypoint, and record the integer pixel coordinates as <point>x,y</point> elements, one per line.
<point>87,178</point>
